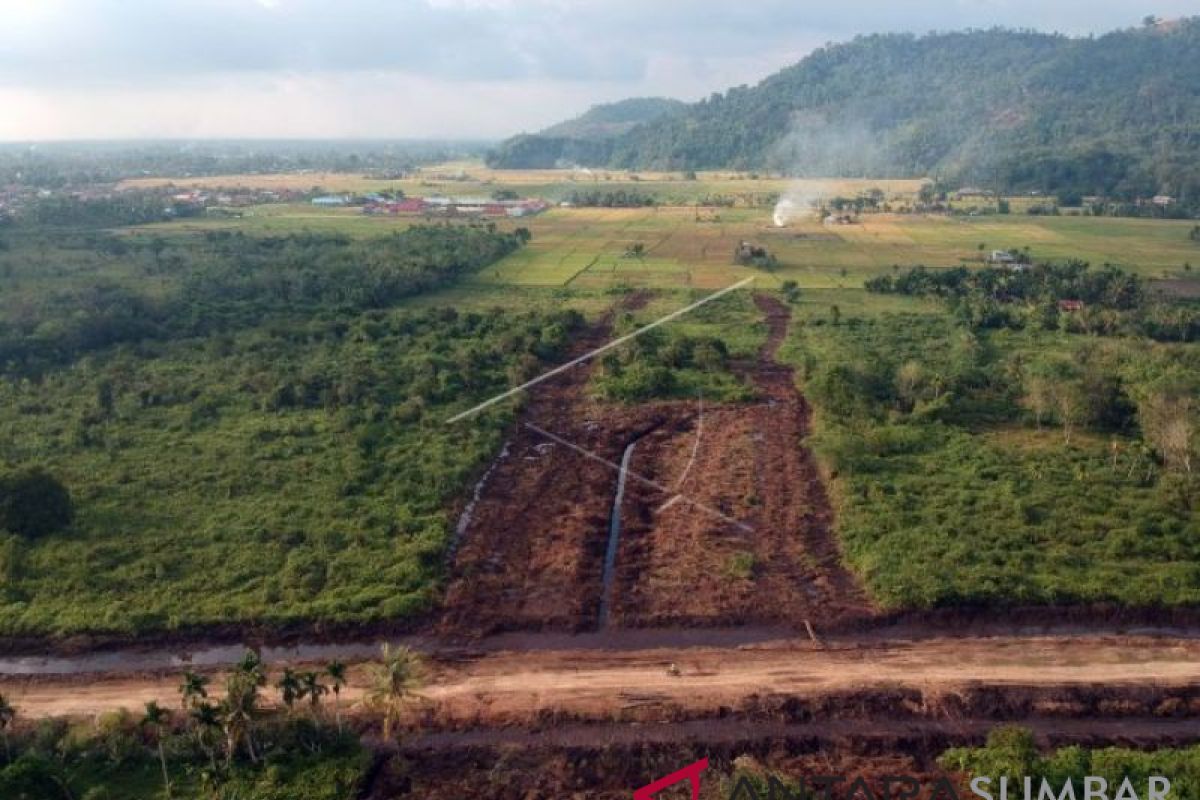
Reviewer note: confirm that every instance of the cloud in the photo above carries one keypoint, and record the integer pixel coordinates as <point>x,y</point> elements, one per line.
<point>519,63</point>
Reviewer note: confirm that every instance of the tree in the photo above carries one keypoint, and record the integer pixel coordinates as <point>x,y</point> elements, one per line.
<point>240,706</point>
<point>7,715</point>
<point>205,719</point>
<point>1168,425</point>
<point>1068,405</point>
<point>312,688</point>
<point>156,720</point>
<point>1038,398</point>
<point>290,688</point>
<point>336,671</point>
<point>192,690</point>
<point>791,291</point>
<point>910,380</point>
<point>33,503</point>
<point>393,683</point>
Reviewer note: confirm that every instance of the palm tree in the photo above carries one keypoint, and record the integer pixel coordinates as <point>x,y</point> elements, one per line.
<point>336,671</point>
<point>206,718</point>
<point>156,719</point>
<point>252,667</point>
<point>290,689</point>
<point>193,688</point>
<point>7,715</point>
<point>238,710</point>
<point>312,688</point>
<point>393,682</point>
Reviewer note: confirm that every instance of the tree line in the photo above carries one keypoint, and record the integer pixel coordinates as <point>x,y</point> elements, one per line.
<point>231,743</point>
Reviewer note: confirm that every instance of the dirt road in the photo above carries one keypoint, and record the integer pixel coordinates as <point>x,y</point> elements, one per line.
<point>508,688</point>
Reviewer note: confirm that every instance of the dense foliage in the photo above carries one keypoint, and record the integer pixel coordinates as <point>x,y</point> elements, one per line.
<point>221,282</point>
<point>609,119</point>
<point>34,503</point>
<point>1114,115</point>
<point>586,139</point>
<point>226,745</point>
<point>1000,467</point>
<point>691,358</point>
<point>248,428</point>
<point>1011,752</point>
<point>1069,296</point>
<point>611,198</point>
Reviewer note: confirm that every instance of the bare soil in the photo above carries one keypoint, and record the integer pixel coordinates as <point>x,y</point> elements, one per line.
<point>679,566</point>
<point>521,688</point>
<point>748,540</point>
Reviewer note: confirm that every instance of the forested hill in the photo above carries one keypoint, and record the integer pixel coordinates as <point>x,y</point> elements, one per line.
<point>1117,114</point>
<point>586,139</point>
<point>613,119</point>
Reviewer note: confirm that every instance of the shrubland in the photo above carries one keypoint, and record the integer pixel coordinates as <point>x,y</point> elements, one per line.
<point>983,465</point>
<point>1012,753</point>
<point>261,437</point>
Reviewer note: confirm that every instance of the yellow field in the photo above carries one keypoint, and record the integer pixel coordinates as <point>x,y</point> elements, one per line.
<point>471,177</point>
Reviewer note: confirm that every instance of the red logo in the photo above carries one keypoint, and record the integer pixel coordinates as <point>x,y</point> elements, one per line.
<point>690,773</point>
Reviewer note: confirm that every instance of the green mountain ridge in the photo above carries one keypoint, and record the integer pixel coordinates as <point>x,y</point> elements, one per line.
<point>613,119</point>
<point>1117,114</point>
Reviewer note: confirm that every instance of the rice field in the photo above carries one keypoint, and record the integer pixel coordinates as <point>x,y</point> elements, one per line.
<point>688,246</point>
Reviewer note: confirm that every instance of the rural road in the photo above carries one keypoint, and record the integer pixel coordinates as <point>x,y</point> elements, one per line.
<point>515,687</point>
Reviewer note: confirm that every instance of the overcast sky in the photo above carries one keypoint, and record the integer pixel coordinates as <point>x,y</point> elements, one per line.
<point>430,68</point>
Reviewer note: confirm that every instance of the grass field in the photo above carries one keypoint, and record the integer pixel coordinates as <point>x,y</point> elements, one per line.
<point>584,248</point>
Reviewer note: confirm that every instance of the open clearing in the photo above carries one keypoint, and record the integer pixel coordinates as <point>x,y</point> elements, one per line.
<point>584,248</point>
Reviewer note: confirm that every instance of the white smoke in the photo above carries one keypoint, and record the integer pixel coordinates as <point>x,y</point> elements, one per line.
<point>796,203</point>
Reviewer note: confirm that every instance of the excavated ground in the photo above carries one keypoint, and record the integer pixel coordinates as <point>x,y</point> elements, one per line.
<point>748,539</point>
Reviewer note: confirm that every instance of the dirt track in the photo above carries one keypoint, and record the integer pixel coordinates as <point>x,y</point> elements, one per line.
<point>520,687</point>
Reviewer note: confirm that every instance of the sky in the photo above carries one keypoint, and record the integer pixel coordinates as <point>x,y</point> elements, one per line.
<point>464,69</point>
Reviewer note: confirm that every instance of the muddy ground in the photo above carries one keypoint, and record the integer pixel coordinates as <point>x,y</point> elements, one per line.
<point>725,521</point>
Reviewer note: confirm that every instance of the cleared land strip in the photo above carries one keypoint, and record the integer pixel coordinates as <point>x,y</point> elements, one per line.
<point>506,688</point>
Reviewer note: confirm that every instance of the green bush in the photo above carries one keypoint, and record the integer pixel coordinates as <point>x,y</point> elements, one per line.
<point>34,503</point>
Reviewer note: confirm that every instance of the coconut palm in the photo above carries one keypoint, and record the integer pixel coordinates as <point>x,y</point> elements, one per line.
<point>7,715</point>
<point>156,720</point>
<point>394,682</point>
<point>336,671</point>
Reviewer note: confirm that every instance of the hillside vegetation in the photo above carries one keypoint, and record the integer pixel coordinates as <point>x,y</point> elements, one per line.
<point>1114,115</point>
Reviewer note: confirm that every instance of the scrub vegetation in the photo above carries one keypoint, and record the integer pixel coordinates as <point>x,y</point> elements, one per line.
<point>990,453</point>
<point>243,428</point>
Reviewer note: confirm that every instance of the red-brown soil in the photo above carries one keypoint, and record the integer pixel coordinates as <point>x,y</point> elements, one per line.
<point>533,555</point>
<point>681,566</point>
